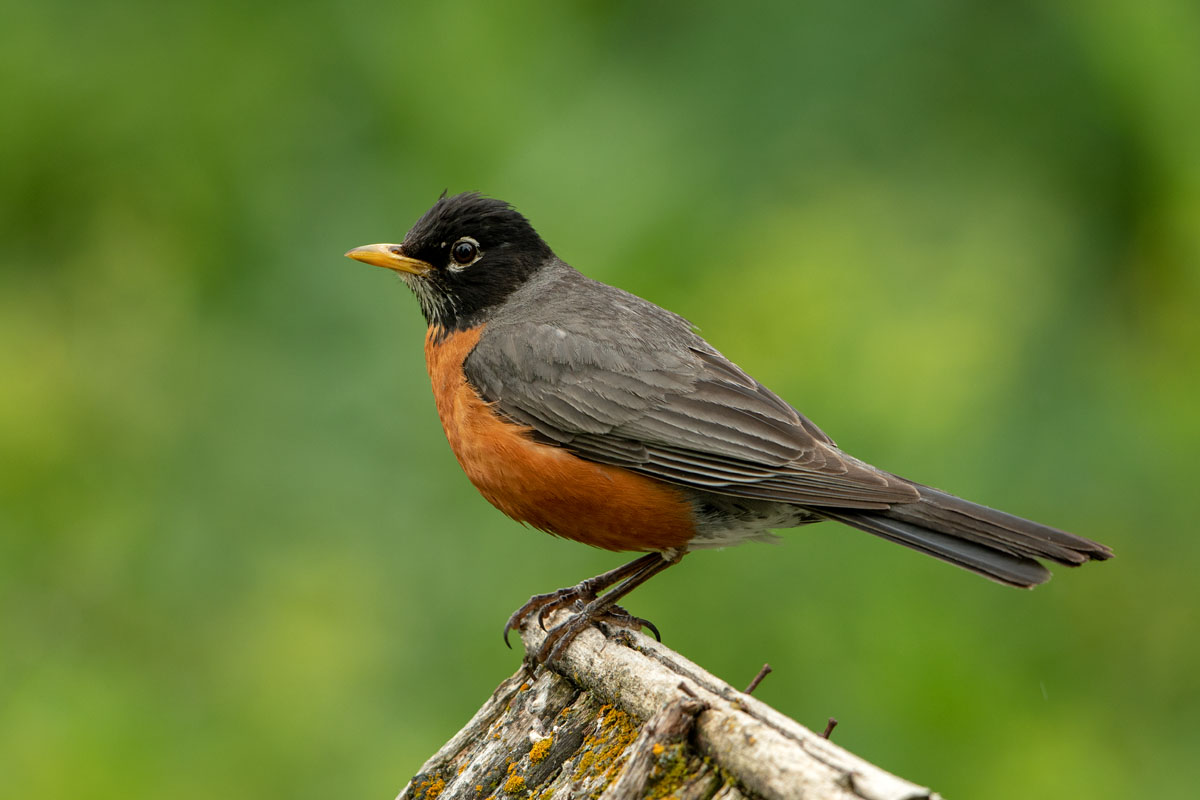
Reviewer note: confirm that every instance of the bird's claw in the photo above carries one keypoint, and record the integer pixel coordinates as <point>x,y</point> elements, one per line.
<point>559,638</point>
<point>620,618</point>
<point>545,604</point>
<point>593,601</point>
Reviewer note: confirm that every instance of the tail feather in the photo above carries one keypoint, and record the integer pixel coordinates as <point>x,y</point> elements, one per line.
<point>989,562</point>
<point>994,544</point>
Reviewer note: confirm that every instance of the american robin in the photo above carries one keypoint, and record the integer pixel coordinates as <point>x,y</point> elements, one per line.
<point>590,413</point>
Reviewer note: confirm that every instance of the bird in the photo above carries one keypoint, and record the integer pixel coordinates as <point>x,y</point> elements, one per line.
<point>587,412</point>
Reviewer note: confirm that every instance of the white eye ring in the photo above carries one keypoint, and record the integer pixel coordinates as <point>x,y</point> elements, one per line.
<point>464,253</point>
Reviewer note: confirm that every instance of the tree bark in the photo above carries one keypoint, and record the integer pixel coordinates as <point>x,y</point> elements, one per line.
<point>624,717</point>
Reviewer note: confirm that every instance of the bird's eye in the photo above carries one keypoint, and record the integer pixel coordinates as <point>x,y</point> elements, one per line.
<point>464,252</point>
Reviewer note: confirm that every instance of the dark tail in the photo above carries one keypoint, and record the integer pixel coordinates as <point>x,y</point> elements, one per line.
<point>992,543</point>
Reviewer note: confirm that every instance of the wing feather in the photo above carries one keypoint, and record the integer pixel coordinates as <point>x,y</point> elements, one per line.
<point>657,399</point>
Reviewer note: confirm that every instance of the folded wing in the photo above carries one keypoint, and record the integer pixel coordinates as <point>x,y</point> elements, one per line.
<point>675,410</point>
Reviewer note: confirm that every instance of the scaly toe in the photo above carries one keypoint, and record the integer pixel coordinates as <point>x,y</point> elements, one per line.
<point>620,618</point>
<point>559,638</point>
<point>544,605</point>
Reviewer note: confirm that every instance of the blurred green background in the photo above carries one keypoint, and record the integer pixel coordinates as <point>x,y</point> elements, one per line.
<point>237,558</point>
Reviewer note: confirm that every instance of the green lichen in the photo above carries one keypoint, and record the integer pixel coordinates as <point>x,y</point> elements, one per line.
<point>670,771</point>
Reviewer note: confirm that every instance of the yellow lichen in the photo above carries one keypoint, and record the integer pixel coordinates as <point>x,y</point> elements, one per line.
<point>605,748</point>
<point>430,789</point>
<point>514,785</point>
<point>540,748</point>
<point>657,749</point>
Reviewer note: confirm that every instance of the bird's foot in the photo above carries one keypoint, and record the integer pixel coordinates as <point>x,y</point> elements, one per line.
<point>617,617</point>
<point>544,604</point>
<point>583,593</point>
<point>593,601</point>
<point>559,638</point>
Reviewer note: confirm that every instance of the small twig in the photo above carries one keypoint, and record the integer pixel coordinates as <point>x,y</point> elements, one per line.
<point>762,673</point>
<point>829,728</point>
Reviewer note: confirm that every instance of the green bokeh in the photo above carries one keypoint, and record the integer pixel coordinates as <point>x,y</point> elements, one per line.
<point>237,558</point>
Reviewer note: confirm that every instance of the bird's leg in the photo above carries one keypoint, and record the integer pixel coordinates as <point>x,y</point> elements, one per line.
<point>601,608</point>
<point>583,592</point>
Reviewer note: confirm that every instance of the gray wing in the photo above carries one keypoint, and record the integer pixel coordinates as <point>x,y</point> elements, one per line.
<point>641,391</point>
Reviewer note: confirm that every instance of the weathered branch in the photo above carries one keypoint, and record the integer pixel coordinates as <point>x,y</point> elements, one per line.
<point>625,717</point>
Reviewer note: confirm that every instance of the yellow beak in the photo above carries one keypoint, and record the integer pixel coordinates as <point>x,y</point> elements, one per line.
<point>390,256</point>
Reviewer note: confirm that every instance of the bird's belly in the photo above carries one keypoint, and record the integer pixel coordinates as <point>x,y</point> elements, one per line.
<point>543,485</point>
<point>724,521</point>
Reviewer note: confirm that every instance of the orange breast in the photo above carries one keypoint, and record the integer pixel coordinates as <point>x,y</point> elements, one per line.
<point>543,485</point>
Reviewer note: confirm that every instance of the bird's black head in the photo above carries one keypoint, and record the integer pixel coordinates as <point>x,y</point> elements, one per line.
<point>463,257</point>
